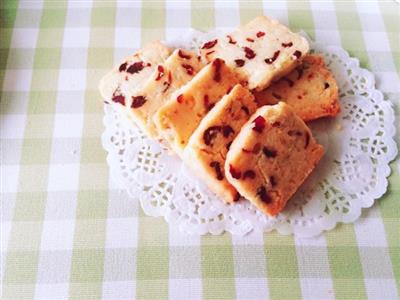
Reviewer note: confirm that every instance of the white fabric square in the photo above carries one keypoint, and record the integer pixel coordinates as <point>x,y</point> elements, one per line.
<point>178,238</point>
<point>68,125</point>
<point>376,41</point>
<point>76,37</point>
<point>119,290</point>
<point>381,288</point>
<point>388,82</point>
<point>5,229</point>
<point>63,177</point>
<point>17,80</point>
<point>61,205</point>
<point>9,178</point>
<point>370,232</point>
<point>255,237</point>
<point>24,38</point>
<point>57,235</point>
<point>251,288</point>
<point>316,288</point>
<point>176,14</point>
<point>183,289</point>
<point>72,80</point>
<point>227,14</point>
<point>12,126</point>
<point>121,233</point>
<point>57,291</point>
<point>127,37</point>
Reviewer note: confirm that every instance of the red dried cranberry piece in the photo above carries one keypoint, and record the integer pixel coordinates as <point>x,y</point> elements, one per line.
<point>245,109</point>
<point>235,173</point>
<point>231,40</point>
<point>217,64</point>
<point>138,101</point>
<point>217,168</point>
<point>237,197</point>
<point>168,83</point>
<point>260,34</point>
<point>119,99</point>
<point>227,130</point>
<point>249,174</point>
<point>189,69</point>
<point>123,67</point>
<point>210,52</point>
<point>250,40</point>
<point>295,133</point>
<point>256,148</point>
<point>136,67</point>
<point>307,140</point>
<point>179,98</point>
<point>239,62</point>
<point>289,81</point>
<point>209,44</point>
<point>269,152</point>
<point>183,55</point>
<point>259,124</point>
<point>287,45</point>
<point>272,180</point>
<point>279,97</point>
<point>249,53</point>
<point>300,72</point>
<point>207,103</point>
<point>273,58</point>
<point>160,74</point>
<point>210,134</point>
<point>262,193</point>
<point>296,54</point>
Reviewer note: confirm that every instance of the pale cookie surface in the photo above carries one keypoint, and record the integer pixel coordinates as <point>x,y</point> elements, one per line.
<point>123,81</point>
<point>271,157</point>
<point>310,89</point>
<point>176,71</point>
<point>206,150</point>
<point>261,51</point>
<point>180,116</point>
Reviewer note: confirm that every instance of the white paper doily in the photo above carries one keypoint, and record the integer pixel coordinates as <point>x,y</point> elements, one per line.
<point>352,174</point>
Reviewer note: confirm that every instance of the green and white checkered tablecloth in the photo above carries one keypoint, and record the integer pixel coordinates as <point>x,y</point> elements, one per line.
<point>67,231</point>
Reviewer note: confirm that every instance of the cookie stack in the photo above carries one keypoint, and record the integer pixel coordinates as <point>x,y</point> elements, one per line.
<point>235,111</point>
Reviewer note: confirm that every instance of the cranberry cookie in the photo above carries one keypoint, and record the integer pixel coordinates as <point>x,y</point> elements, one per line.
<point>261,51</point>
<point>310,89</point>
<point>206,150</point>
<point>271,157</point>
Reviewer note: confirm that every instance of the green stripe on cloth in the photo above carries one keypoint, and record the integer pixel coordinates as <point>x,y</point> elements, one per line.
<point>153,20</point>
<point>282,266</point>
<point>392,24</point>
<point>249,10</point>
<point>389,206</point>
<point>152,267</point>
<point>24,245</point>
<point>203,15</point>
<point>217,267</point>
<point>7,20</point>
<point>87,262</point>
<point>345,264</point>
<point>300,17</point>
<point>350,31</point>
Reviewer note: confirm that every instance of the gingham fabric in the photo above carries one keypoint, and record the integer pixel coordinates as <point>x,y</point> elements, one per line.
<point>67,231</point>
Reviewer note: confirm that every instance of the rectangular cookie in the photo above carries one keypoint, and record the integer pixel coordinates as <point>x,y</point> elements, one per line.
<point>177,119</point>
<point>206,150</point>
<point>122,82</point>
<point>310,89</point>
<point>271,157</point>
<point>169,76</point>
<point>261,51</point>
